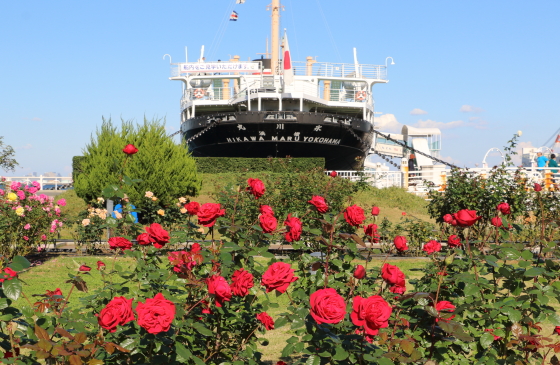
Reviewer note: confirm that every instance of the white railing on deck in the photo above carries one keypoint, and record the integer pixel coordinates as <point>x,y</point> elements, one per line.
<point>324,69</point>
<point>44,181</point>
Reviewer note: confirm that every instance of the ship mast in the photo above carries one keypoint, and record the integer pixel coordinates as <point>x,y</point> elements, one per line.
<point>275,33</point>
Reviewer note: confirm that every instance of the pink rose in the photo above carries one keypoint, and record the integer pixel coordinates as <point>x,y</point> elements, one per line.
<point>256,187</point>
<point>466,218</point>
<point>241,282</point>
<point>373,313</point>
<point>219,287</point>
<point>504,208</point>
<point>432,246</point>
<point>327,306</point>
<point>319,203</point>
<point>293,225</point>
<point>354,215</point>
<point>208,214</point>
<point>61,202</point>
<point>278,277</point>
<point>400,243</point>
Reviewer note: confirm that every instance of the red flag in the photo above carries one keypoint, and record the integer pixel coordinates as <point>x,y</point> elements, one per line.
<point>288,71</point>
<point>557,139</point>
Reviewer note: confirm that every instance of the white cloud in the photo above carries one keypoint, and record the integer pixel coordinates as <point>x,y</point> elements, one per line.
<point>418,112</point>
<point>470,109</point>
<point>441,125</point>
<point>387,123</point>
<point>26,147</point>
<point>36,119</point>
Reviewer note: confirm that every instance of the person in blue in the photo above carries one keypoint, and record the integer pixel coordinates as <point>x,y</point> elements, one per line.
<point>119,208</point>
<point>541,160</point>
<point>553,163</point>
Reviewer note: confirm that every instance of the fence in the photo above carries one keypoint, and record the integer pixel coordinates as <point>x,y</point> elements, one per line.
<point>46,182</point>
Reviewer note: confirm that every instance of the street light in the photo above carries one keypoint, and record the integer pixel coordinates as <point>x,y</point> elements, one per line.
<point>392,61</point>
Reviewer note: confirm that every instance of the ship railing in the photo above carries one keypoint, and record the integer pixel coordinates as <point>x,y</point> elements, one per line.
<point>344,95</point>
<point>244,92</point>
<point>378,179</point>
<point>210,93</point>
<point>45,182</point>
<point>327,70</point>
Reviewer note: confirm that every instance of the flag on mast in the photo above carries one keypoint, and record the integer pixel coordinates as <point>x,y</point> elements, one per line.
<point>287,61</point>
<point>240,1</point>
<point>233,16</point>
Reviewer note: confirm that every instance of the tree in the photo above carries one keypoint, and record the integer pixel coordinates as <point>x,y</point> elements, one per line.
<point>164,168</point>
<point>7,160</point>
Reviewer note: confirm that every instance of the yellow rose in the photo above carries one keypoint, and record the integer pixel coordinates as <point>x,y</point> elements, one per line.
<point>183,210</point>
<point>154,198</point>
<point>20,211</point>
<point>161,212</point>
<point>12,197</point>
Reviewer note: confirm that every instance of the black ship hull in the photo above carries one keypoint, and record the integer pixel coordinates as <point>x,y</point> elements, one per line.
<point>342,140</point>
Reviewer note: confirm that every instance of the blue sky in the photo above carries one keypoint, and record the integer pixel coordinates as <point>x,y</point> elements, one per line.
<point>479,70</point>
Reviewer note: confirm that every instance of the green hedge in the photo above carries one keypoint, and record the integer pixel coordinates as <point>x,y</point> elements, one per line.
<point>216,165</point>
<point>76,166</point>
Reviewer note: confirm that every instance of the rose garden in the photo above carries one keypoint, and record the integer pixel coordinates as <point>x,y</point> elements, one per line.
<point>197,284</point>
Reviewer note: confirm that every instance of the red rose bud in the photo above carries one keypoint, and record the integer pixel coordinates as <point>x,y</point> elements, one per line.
<point>84,268</point>
<point>293,226</point>
<point>256,187</point>
<point>100,265</point>
<point>130,149</point>
<point>557,330</point>
<point>537,187</point>
<point>403,214</point>
<point>375,211</point>
<point>496,222</point>
<point>400,243</point>
<point>466,218</point>
<point>7,274</point>
<point>266,320</point>
<point>192,208</point>
<point>445,306</point>
<point>360,272</point>
<point>448,218</point>
<point>333,174</point>
<point>504,208</point>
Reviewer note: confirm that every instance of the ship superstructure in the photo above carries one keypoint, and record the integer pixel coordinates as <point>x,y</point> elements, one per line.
<point>274,107</point>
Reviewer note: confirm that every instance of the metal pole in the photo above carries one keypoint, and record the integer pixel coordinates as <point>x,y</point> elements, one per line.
<point>275,33</point>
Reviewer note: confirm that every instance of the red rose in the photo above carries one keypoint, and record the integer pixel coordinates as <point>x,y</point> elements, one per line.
<point>393,275</point>
<point>432,246</point>
<point>278,276</point>
<point>192,208</point>
<point>281,363</point>
<point>496,222</point>
<point>504,208</point>
<point>359,272</point>
<point>537,187</point>
<point>397,289</point>
<point>129,149</point>
<point>208,214</point>
<point>266,320</point>
<point>371,230</point>
<point>117,312</point>
<point>448,218</point>
<point>375,211</point>
<point>156,314</point>
<point>119,243</point>
<point>56,292</point>
<point>333,173</point>
<point>241,282</point>
<point>219,287</point>
<point>466,218</point>
<point>445,306</point>
<point>195,248</point>
<point>354,215</point>
<point>144,239</point>
<point>181,260</point>
<point>256,187</point>
<point>454,241</point>
<point>327,306</point>
<point>268,223</point>
<point>266,209</point>
<point>9,354</point>
<point>158,235</point>
<point>403,214</point>
<point>7,274</point>
<point>373,313</point>
<point>100,265</point>
<point>319,203</point>
<point>492,332</point>
<point>557,330</point>
<point>400,243</point>
<point>293,225</point>
<point>84,268</point>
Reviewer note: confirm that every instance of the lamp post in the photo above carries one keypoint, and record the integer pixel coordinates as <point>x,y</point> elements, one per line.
<point>387,59</point>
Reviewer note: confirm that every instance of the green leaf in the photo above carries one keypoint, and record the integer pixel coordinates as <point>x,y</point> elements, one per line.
<point>280,322</point>
<point>128,344</point>
<point>12,288</point>
<point>340,354</point>
<point>513,314</point>
<point>554,318</point>
<point>534,271</point>
<point>4,303</point>
<point>486,340</point>
<point>313,360</point>
<point>183,354</point>
<point>472,289</point>
<point>202,329</point>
